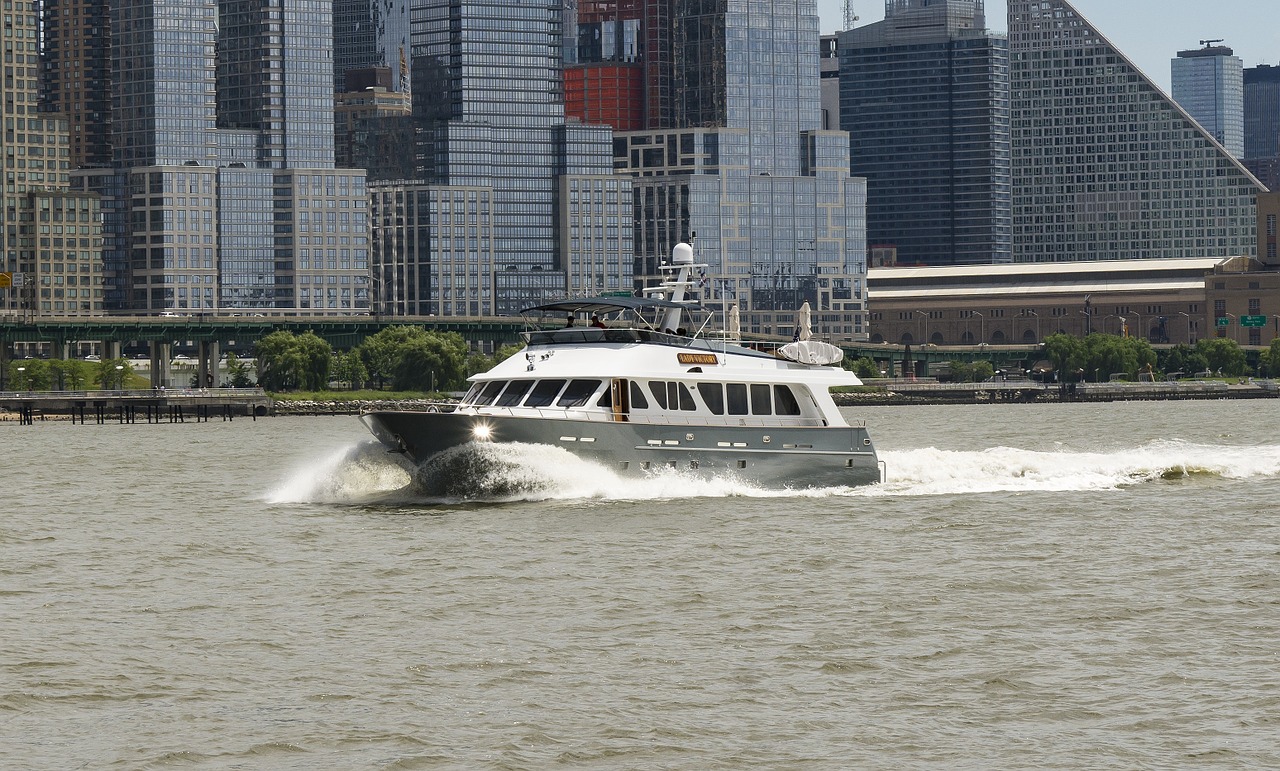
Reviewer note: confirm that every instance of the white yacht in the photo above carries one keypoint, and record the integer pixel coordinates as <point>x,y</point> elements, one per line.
<point>640,395</point>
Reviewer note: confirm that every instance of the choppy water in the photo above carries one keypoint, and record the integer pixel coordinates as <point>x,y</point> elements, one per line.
<point>1067,586</point>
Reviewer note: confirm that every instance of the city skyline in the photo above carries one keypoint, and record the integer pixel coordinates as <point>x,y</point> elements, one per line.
<point>1251,29</point>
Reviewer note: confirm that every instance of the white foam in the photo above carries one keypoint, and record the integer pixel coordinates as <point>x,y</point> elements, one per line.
<point>529,472</point>
<point>356,473</point>
<point>932,471</point>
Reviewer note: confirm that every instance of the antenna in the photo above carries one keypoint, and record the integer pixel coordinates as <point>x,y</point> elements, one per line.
<point>850,18</point>
<point>1208,43</point>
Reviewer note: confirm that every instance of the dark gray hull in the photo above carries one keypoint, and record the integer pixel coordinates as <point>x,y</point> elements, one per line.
<point>771,456</point>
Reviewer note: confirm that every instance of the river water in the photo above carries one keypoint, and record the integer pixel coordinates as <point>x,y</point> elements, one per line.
<point>1054,586</point>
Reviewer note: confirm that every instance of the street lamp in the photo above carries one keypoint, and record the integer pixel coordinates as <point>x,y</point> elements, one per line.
<point>1137,316</point>
<point>1188,315</point>
<point>1088,322</point>
<point>1029,312</point>
<point>925,339</point>
<point>119,377</point>
<point>982,327</point>
<point>22,379</point>
<point>1233,332</point>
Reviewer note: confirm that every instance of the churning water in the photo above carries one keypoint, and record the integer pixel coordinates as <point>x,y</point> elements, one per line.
<point>1035,585</point>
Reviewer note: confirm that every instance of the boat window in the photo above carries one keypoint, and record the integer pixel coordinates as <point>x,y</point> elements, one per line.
<point>577,393</point>
<point>785,401</point>
<point>606,399</point>
<point>682,397</point>
<point>713,395</point>
<point>544,393</point>
<point>736,398</point>
<point>472,393</point>
<point>490,392</point>
<point>514,393</point>
<point>760,403</point>
<point>638,402</point>
<point>659,390</point>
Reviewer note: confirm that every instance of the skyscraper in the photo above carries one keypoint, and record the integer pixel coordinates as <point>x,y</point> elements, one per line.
<point>371,33</point>
<point>222,192</point>
<point>1208,83</point>
<point>925,99</point>
<point>1262,123</point>
<point>734,158</point>
<point>1105,166</point>
<point>513,200</point>
<point>52,235</point>
<point>1262,111</point>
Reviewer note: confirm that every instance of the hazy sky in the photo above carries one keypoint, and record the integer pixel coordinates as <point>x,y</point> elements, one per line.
<point>1149,32</point>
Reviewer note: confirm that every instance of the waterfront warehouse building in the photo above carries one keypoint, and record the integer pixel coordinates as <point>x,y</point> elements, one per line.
<point>925,99</point>
<point>1105,165</point>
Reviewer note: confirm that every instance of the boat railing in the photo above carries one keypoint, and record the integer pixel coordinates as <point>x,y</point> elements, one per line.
<point>667,418</point>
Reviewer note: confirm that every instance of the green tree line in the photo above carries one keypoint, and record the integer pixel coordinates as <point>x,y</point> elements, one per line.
<point>403,358</point>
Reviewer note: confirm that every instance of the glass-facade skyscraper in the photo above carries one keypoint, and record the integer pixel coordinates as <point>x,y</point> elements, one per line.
<point>925,99</point>
<point>734,159</point>
<point>223,192</point>
<point>371,33</point>
<point>1262,123</point>
<point>1105,165</point>
<point>1209,84</point>
<point>508,210</point>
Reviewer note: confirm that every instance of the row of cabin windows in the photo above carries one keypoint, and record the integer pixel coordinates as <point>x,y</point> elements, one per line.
<point>532,393</point>
<point>720,398</point>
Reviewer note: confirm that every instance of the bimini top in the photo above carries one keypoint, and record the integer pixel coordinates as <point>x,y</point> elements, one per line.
<point>606,305</point>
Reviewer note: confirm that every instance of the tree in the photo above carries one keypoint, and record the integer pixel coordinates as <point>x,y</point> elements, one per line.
<point>348,368</point>
<point>112,373</point>
<point>506,352</point>
<point>431,361</point>
<point>1183,358</point>
<point>380,352</point>
<point>29,375</point>
<point>1067,354</point>
<point>1223,354</point>
<point>1271,358</point>
<point>415,359</point>
<point>237,372</point>
<point>865,368</point>
<point>69,374</point>
<point>289,362</point>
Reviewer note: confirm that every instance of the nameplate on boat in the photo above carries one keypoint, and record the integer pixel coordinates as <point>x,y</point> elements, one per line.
<point>697,358</point>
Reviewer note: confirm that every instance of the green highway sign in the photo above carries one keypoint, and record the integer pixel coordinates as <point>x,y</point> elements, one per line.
<point>1224,321</point>
<point>1253,321</point>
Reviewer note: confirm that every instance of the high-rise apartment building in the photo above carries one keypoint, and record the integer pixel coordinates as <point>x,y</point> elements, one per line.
<point>1262,111</point>
<point>361,110</point>
<point>1208,83</point>
<point>76,78</point>
<point>925,99</point>
<point>733,157</point>
<point>507,204</point>
<point>371,33</point>
<point>1105,165</point>
<point>222,192</point>
<point>1262,123</point>
<point>52,258</point>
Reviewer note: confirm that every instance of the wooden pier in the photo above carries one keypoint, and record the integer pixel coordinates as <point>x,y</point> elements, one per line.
<point>198,405</point>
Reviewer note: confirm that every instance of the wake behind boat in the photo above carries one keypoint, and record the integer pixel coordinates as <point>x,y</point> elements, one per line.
<point>639,397</point>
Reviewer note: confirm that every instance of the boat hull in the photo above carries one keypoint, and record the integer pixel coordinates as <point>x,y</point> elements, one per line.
<point>772,456</point>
